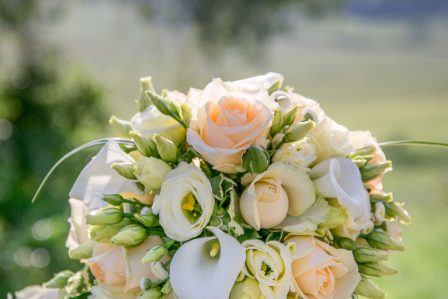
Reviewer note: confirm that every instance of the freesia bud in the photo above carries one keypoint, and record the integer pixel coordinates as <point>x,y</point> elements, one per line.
<point>144,144</point>
<point>381,197</point>
<point>256,159</point>
<point>376,269</point>
<point>105,232</point>
<point>155,254</point>
<point>367,255</point>
<point>113,199</point>
<point>154,293</point>
<point>59,280</point>
<point>121,126</point>
<point>370,150</point>
<point>247,289</point>
<point>395,210</point>
<point>131,235</point>
<point>299,130</point>
<point>276,122</point>
<point>148,220</point>
<point>106,216</point>
<point>346,243</point>
<point>372,171</point>
<point>166,148</point>
<point>83,251</point>
<point>126,170</point>
<point>380,213</point>
<point>277,140</point>
<point>369,289</point>
<point>145,85</point>
<point>380,240</point>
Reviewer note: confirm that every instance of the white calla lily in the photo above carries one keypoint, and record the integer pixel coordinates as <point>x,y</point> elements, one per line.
<point>36,292</point>
<point>78,233</point>
<point>98,178</point>
<point>185,203</point>
<point>196,274</point>
<point>340,178</point>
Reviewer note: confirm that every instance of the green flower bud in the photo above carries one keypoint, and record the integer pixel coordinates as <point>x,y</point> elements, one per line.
<point>367,255</point>
<point>376,269</point>
<point>145,85</point>
<point>125,170</point>
<point>105,232</point>
<point>154,293</point>
<point>59,280</point>
<point>166,148</point>
<point>148,220</point>
<point>277,140</point>
<point>369,289</point>
<point>298,131</point>
<point>378,197</point>
<point>106,216</point>
<point>131,235</point>
<point>247,289</point>
<point>275,86</point>
<point>83,251</point>
<point>346,243</point>
<point>121,126</point>
<point>395,210</point>
<point>166,289</point>
<point>380,240</point>
<point>372,171</point>
<point>276,123</point>
<point>151,172</point>
<point>256,159</point>
<point>290,116</point>
<point>155,254</point>
<point>113,199</point>
<point>145,145</point>
<point>366,151</point>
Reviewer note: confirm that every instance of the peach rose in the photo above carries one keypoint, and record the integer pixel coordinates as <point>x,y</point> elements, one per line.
<point>121,268</point>
<point>322,272</point>
<point>231,116</point>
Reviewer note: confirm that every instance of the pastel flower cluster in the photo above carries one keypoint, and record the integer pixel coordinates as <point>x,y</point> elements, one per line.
<point>243,189</point>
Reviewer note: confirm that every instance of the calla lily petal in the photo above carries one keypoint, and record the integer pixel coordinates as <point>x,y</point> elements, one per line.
<point>98,178</point>
<point>194,274</point>
<point>36,292</point>
<point>340,178</point>
<point>78,233</point>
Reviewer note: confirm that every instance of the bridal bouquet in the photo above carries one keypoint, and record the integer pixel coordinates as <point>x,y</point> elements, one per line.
<point>243,189</point>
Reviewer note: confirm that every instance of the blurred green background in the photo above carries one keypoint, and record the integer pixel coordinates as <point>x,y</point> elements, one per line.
<point>66,66</point>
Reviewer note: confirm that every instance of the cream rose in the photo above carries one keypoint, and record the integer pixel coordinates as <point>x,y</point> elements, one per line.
<point>231,117</point>
<point>282,189</point>
<point>185,203</point>
<point>322,272</point>
<point>270,265</point>
<point>151,121</point>
<point>301,153</point>
<point>119,268</point>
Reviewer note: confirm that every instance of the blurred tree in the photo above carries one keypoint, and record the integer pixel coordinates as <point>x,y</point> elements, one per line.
<point>45,110</point>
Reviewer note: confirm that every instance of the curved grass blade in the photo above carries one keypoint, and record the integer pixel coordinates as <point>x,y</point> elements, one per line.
<point>413,142</point>
<point>73,152</point>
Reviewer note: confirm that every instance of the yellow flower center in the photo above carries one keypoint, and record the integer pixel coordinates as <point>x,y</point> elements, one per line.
<point>191,208</point>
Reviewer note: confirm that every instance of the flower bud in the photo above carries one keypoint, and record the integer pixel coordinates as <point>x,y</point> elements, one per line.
<point>372,171</point>
<point>376,269</point>
<point>113,199</point>
<point>380,240</point>
<point>59,280</point>
<point>247,289</point>
<point>166,289</point>
<point>147,220</point>
<point>298,131</point>
<point>380,213</point>
<point>144,145</point>
<point>367,255</point>
<point>277,140</point>
<point>126,170</point>
<point>131,235</point>
<point>276,123</point>
<point>346,243</point>
<point>83,251</point>
<point>105,232</point>
<point>154,293</point>
<point>395,210</point>
<point>369,289</point>
<point>166,148</point>
<point>106,216</point>
<point>121,126</point>
<point>151,172</point>
<point>367,151</point>
<point>155,254</point>
<point>145,85</point>
<point>256,159</point>
<point>381,197</point>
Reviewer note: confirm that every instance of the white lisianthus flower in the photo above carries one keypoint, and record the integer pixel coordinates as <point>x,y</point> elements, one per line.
<point>185,203</point>
<point>151,172</point>
<point>98,178</point>
<point>36,292</point>
<point>152,121</point>
<point>229,118</point>
<point>118,268</point>
<point>280,190</point>
<point>340,178</point>
<point>301,153</point>
<point>270,265</point>
<point>207,267</point>
<point>78,233</point>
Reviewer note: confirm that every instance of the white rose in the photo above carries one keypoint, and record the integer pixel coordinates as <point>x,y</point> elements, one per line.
<point>231,116</point>
<point>301,153</point>
<point>340,178</point>
<point>270,264</point>
<point>151,172</point>
<point>185,203</point>
<point>151,121</point>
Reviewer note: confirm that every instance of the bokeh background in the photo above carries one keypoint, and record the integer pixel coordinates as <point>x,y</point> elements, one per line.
<point>66,66</point>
